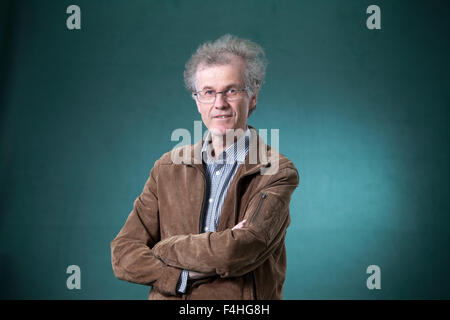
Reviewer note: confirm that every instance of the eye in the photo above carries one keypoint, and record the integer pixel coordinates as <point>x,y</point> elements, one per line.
<point>232,92</point>
<point>208,93</point>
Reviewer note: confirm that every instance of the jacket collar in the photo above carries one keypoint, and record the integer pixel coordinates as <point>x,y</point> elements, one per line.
<point>254,160</point>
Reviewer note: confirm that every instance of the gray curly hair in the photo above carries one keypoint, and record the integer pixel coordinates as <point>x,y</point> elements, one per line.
<point>220,52</point>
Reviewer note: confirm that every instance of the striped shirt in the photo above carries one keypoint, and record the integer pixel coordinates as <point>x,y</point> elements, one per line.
<point>219,174</point>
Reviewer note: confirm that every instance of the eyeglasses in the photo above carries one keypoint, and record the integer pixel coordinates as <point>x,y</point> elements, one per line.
<point>209,95</point>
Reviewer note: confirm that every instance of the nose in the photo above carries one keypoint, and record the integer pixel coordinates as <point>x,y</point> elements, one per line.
<point>220,101</point>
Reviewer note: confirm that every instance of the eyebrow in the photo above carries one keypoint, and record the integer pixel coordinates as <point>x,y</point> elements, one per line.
<point>226,87</point>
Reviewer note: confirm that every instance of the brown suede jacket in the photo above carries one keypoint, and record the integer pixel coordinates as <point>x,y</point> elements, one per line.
<point>162,233</point>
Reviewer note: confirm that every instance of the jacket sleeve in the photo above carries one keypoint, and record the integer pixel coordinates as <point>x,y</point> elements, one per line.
<point>232,253</point>
<point>131,251</point>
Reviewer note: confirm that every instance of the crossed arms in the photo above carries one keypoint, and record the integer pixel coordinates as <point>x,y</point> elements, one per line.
<point>138,255</point>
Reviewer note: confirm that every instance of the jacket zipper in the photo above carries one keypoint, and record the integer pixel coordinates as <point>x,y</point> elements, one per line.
<point>185,295</point>
<point>261,200</point>
<point>255,295</point>
<point>203,200</point>
<point>203,204</point>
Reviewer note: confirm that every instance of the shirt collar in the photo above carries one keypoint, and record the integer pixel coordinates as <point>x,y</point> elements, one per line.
<point>235,152</point>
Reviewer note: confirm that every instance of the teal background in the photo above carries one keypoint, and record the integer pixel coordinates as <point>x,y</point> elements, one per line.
<point>362,113</point>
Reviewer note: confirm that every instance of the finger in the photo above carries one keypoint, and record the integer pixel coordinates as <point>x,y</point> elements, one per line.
<point>236,227</point>
<point>239,225</point>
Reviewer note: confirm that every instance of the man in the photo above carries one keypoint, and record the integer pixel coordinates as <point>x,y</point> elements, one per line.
<point>211,224</point>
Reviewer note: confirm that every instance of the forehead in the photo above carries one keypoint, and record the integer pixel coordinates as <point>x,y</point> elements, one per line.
<point>219,76</point>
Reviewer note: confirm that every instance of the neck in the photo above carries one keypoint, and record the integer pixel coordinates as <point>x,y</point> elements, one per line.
<point>222,142</point>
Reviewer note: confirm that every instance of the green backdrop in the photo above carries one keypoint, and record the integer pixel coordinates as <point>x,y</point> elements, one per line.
<point>362,113</point>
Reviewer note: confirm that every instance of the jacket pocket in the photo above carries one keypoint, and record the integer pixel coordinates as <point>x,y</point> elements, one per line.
<point>263,196</point>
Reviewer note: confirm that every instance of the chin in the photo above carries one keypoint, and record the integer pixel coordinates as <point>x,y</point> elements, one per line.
<point>218,131</point>
<point>221,130</point>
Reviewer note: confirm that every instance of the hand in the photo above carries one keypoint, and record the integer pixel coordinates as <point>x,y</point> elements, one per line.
<point>199,275</point>
<point>239,225</point>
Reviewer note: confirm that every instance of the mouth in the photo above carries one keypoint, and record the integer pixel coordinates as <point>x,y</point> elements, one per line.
<point>223,117</point>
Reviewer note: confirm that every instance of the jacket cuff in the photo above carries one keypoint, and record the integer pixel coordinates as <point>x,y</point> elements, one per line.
<point>167,282</point>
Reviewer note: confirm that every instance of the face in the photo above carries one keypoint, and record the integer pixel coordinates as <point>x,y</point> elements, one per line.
<point>220,78</point>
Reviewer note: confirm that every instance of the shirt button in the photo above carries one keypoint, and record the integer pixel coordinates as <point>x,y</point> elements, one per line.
<point>206,229</point>
<point>217,173</point>
<point>210,200</point>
